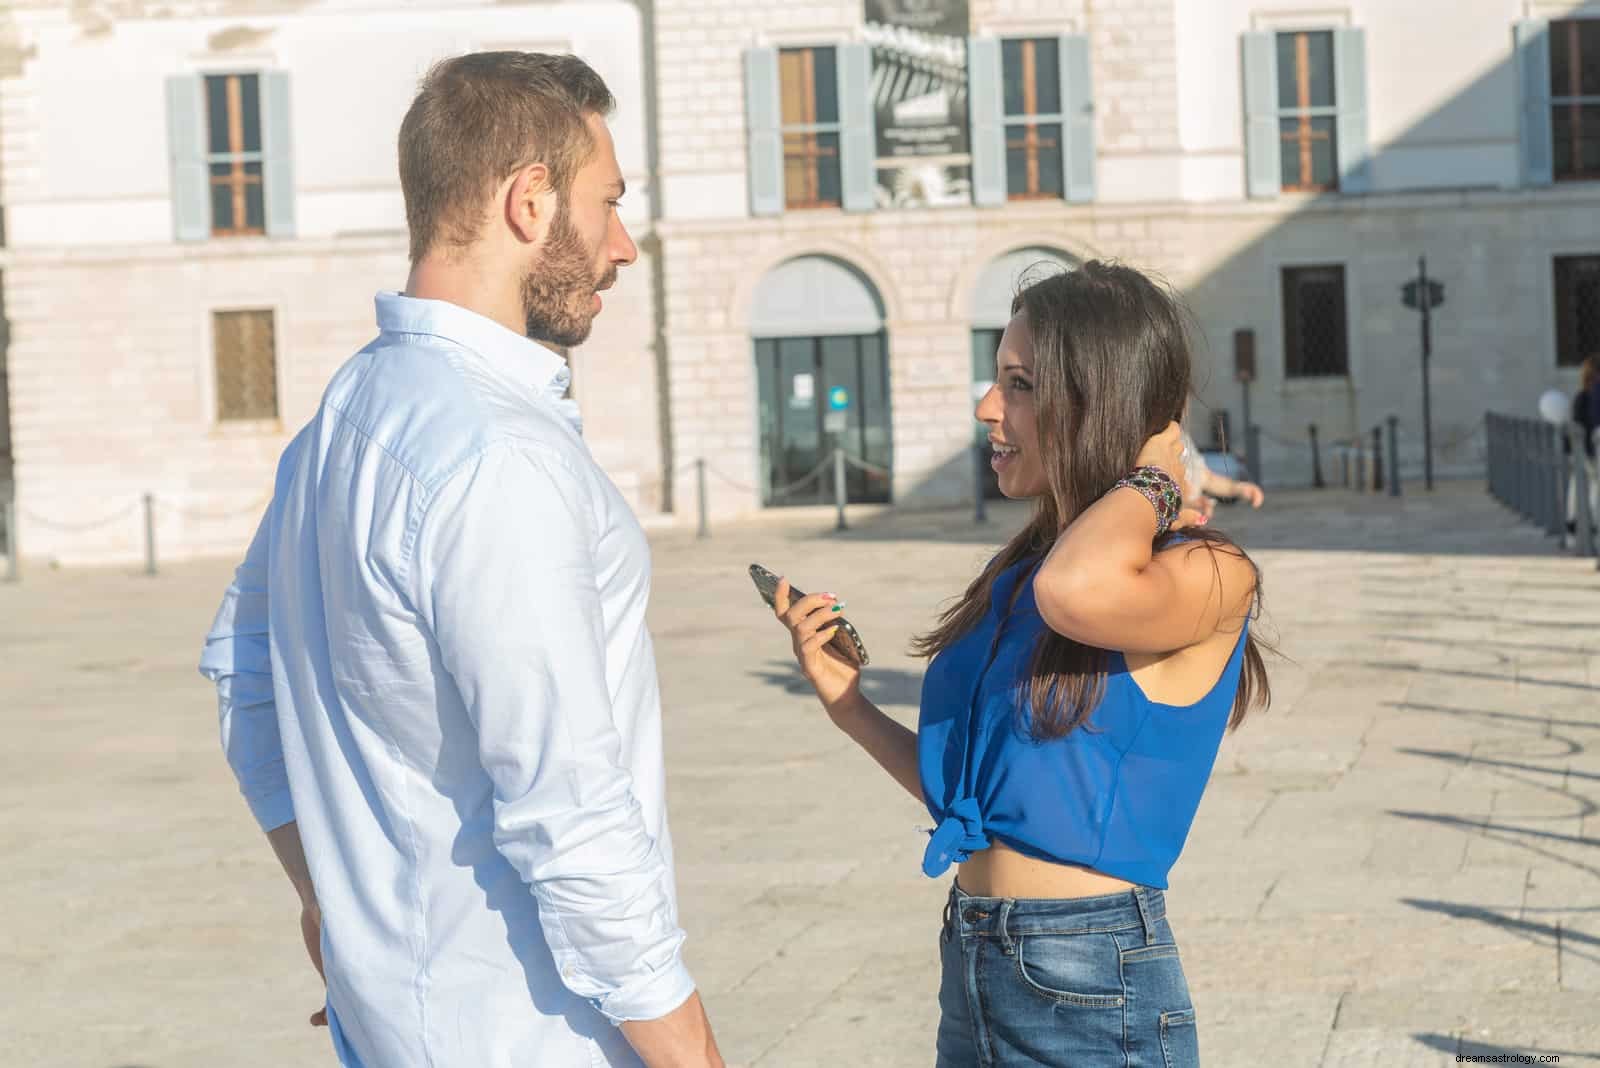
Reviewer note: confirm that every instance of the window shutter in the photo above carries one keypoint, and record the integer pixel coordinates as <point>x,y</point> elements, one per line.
<point>763,110</point>
<point>986,107</point>
<point>1263,164</point>
<point>858,138</point>
<point>1533,76</point>
<point>277,150</point>
<point>186,149</point>
<point>1350,97</point>
<point>1077,120</point>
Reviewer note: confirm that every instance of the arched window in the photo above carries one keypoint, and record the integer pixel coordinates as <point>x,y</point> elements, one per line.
<point>822,376</point>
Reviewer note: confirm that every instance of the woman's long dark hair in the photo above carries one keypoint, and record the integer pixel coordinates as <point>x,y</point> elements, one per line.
<point>1112,368</point>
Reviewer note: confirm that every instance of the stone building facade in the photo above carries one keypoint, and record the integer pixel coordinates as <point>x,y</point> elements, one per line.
<point>1283,164</point>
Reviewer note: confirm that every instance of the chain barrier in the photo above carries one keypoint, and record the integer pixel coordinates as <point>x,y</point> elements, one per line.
<point>75,528</point>
<point>253,508</point>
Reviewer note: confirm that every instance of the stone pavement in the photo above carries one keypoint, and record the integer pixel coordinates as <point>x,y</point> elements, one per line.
<point>1397,864</point>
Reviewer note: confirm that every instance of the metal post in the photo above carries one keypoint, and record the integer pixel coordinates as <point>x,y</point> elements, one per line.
<point>1394,456</point>
<point>704,530</point>
<point>149,534</point>
<point>1427,387</point>
<point>1316,460</point>
<point>1519,467</point>
<point>1555,499</point>
<point>13,554</point>
<point>1489,429</point>
<point>1252,451</point>
<point>1582,516</point>
<point>1344,464</point>
<point>979,506</point>
<point>1377,459</point>
<point>838,486</point>
<point>1357,446</point>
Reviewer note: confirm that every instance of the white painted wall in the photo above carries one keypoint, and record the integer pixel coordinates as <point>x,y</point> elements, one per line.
<point>1441,89</point>
<point>90,113</point>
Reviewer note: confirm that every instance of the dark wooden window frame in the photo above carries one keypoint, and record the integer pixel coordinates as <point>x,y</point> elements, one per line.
<point>1295,362</point>
<point>1032,119</point>
<point>811,153</point>
<point>1305,136</point>
<point>1570,97</point>
<point>237,180</point>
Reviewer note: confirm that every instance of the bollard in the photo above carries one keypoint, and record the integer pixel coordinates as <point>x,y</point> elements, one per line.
<point>1316,461</point>
<point>1377,459</point>
<point>1490,435</point>
<point>1360,464</point>
<point>979,466</point>
<point>1581,481</point>
<point>1520,472</point>
<point>1344,464</point>
<point>1252,452</point>
<point>1394,456</point>
<point>13,554</point>
<point>704,529</point>
<point>838,486</point>
<point>149,534</point>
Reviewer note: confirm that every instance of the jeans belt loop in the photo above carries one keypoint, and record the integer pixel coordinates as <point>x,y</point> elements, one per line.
<point>1002,924</point>
<point>1141,897</point>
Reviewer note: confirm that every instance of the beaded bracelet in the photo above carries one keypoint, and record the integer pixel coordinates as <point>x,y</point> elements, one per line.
<point>1160,490</point>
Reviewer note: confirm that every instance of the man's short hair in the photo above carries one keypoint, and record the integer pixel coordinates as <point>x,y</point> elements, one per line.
<point>479,118</point>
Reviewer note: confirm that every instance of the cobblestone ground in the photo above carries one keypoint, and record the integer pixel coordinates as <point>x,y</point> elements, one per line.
<point>1397,864</point>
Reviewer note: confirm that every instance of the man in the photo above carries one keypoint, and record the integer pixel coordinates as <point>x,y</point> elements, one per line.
<point>435,683</point>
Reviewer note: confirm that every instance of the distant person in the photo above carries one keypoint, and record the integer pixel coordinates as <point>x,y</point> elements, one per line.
<point>1204,486</point>
<point>1076,697</point>
<point>436,686</point>
<point>1586,402</point>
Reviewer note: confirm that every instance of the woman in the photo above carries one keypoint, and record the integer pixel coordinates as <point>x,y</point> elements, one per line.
<point>1077,694</point>
<point>1203,486</point>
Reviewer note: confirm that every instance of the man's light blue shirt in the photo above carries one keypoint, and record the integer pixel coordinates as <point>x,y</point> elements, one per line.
<point>434,659</point>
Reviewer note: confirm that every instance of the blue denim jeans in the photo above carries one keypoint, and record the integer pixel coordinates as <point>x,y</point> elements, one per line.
<point>1090,982</point>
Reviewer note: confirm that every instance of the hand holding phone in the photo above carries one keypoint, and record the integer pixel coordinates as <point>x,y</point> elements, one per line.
<point>827,647</point>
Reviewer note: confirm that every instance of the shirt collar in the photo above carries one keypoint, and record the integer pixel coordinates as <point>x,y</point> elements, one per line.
<point>513,356</point>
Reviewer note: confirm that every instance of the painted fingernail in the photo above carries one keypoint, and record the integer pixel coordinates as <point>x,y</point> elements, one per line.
<point>838,607</point>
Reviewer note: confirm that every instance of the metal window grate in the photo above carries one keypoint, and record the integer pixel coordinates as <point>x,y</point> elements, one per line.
<point>247,366</point>
<point>1577,309</point>
<point>1314,323</point>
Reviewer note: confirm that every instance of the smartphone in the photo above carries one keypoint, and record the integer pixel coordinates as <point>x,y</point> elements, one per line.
<point>845,638</point>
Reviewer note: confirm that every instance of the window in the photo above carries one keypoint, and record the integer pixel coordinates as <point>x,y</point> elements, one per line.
<point>233,154</point>
<point>1031,72</point>
<point>1577,309</point>
<point>1575,99</point>
<point>245,345</point>
<point>809,89</point>
<point>1306,112</point>
<point>1314,328</point>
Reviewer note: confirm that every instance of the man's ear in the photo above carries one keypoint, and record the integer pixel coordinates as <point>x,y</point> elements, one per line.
<point>530,203</point>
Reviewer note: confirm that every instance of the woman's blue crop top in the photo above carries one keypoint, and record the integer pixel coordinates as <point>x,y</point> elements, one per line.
<point>1118,798</point>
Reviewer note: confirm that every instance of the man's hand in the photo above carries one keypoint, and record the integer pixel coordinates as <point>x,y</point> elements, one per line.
<point>311,931</point>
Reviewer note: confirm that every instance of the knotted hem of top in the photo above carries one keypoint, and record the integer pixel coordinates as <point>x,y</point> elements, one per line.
<point>959,836</point>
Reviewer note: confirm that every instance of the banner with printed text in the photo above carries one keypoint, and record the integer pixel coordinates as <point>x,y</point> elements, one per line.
<point>919,89</point>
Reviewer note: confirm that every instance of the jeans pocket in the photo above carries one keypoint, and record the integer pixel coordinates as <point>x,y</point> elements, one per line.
<point>1076,969</point>
<point>1180,1042</point>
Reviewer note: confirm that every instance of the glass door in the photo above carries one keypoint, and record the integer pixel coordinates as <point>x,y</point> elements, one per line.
<point>796,381</point>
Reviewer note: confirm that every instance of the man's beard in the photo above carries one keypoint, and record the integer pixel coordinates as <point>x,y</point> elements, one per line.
<point>556,291</point>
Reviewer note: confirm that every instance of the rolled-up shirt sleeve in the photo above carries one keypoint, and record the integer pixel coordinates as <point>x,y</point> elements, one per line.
<point>504,577</point>
<point>237,658</point>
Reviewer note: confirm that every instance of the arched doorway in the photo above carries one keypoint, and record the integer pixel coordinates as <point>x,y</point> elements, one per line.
<point>822,380</point>
<point>991,310</point>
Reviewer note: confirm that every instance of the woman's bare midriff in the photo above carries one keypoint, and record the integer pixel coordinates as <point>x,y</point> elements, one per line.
<point>1001,871</point>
